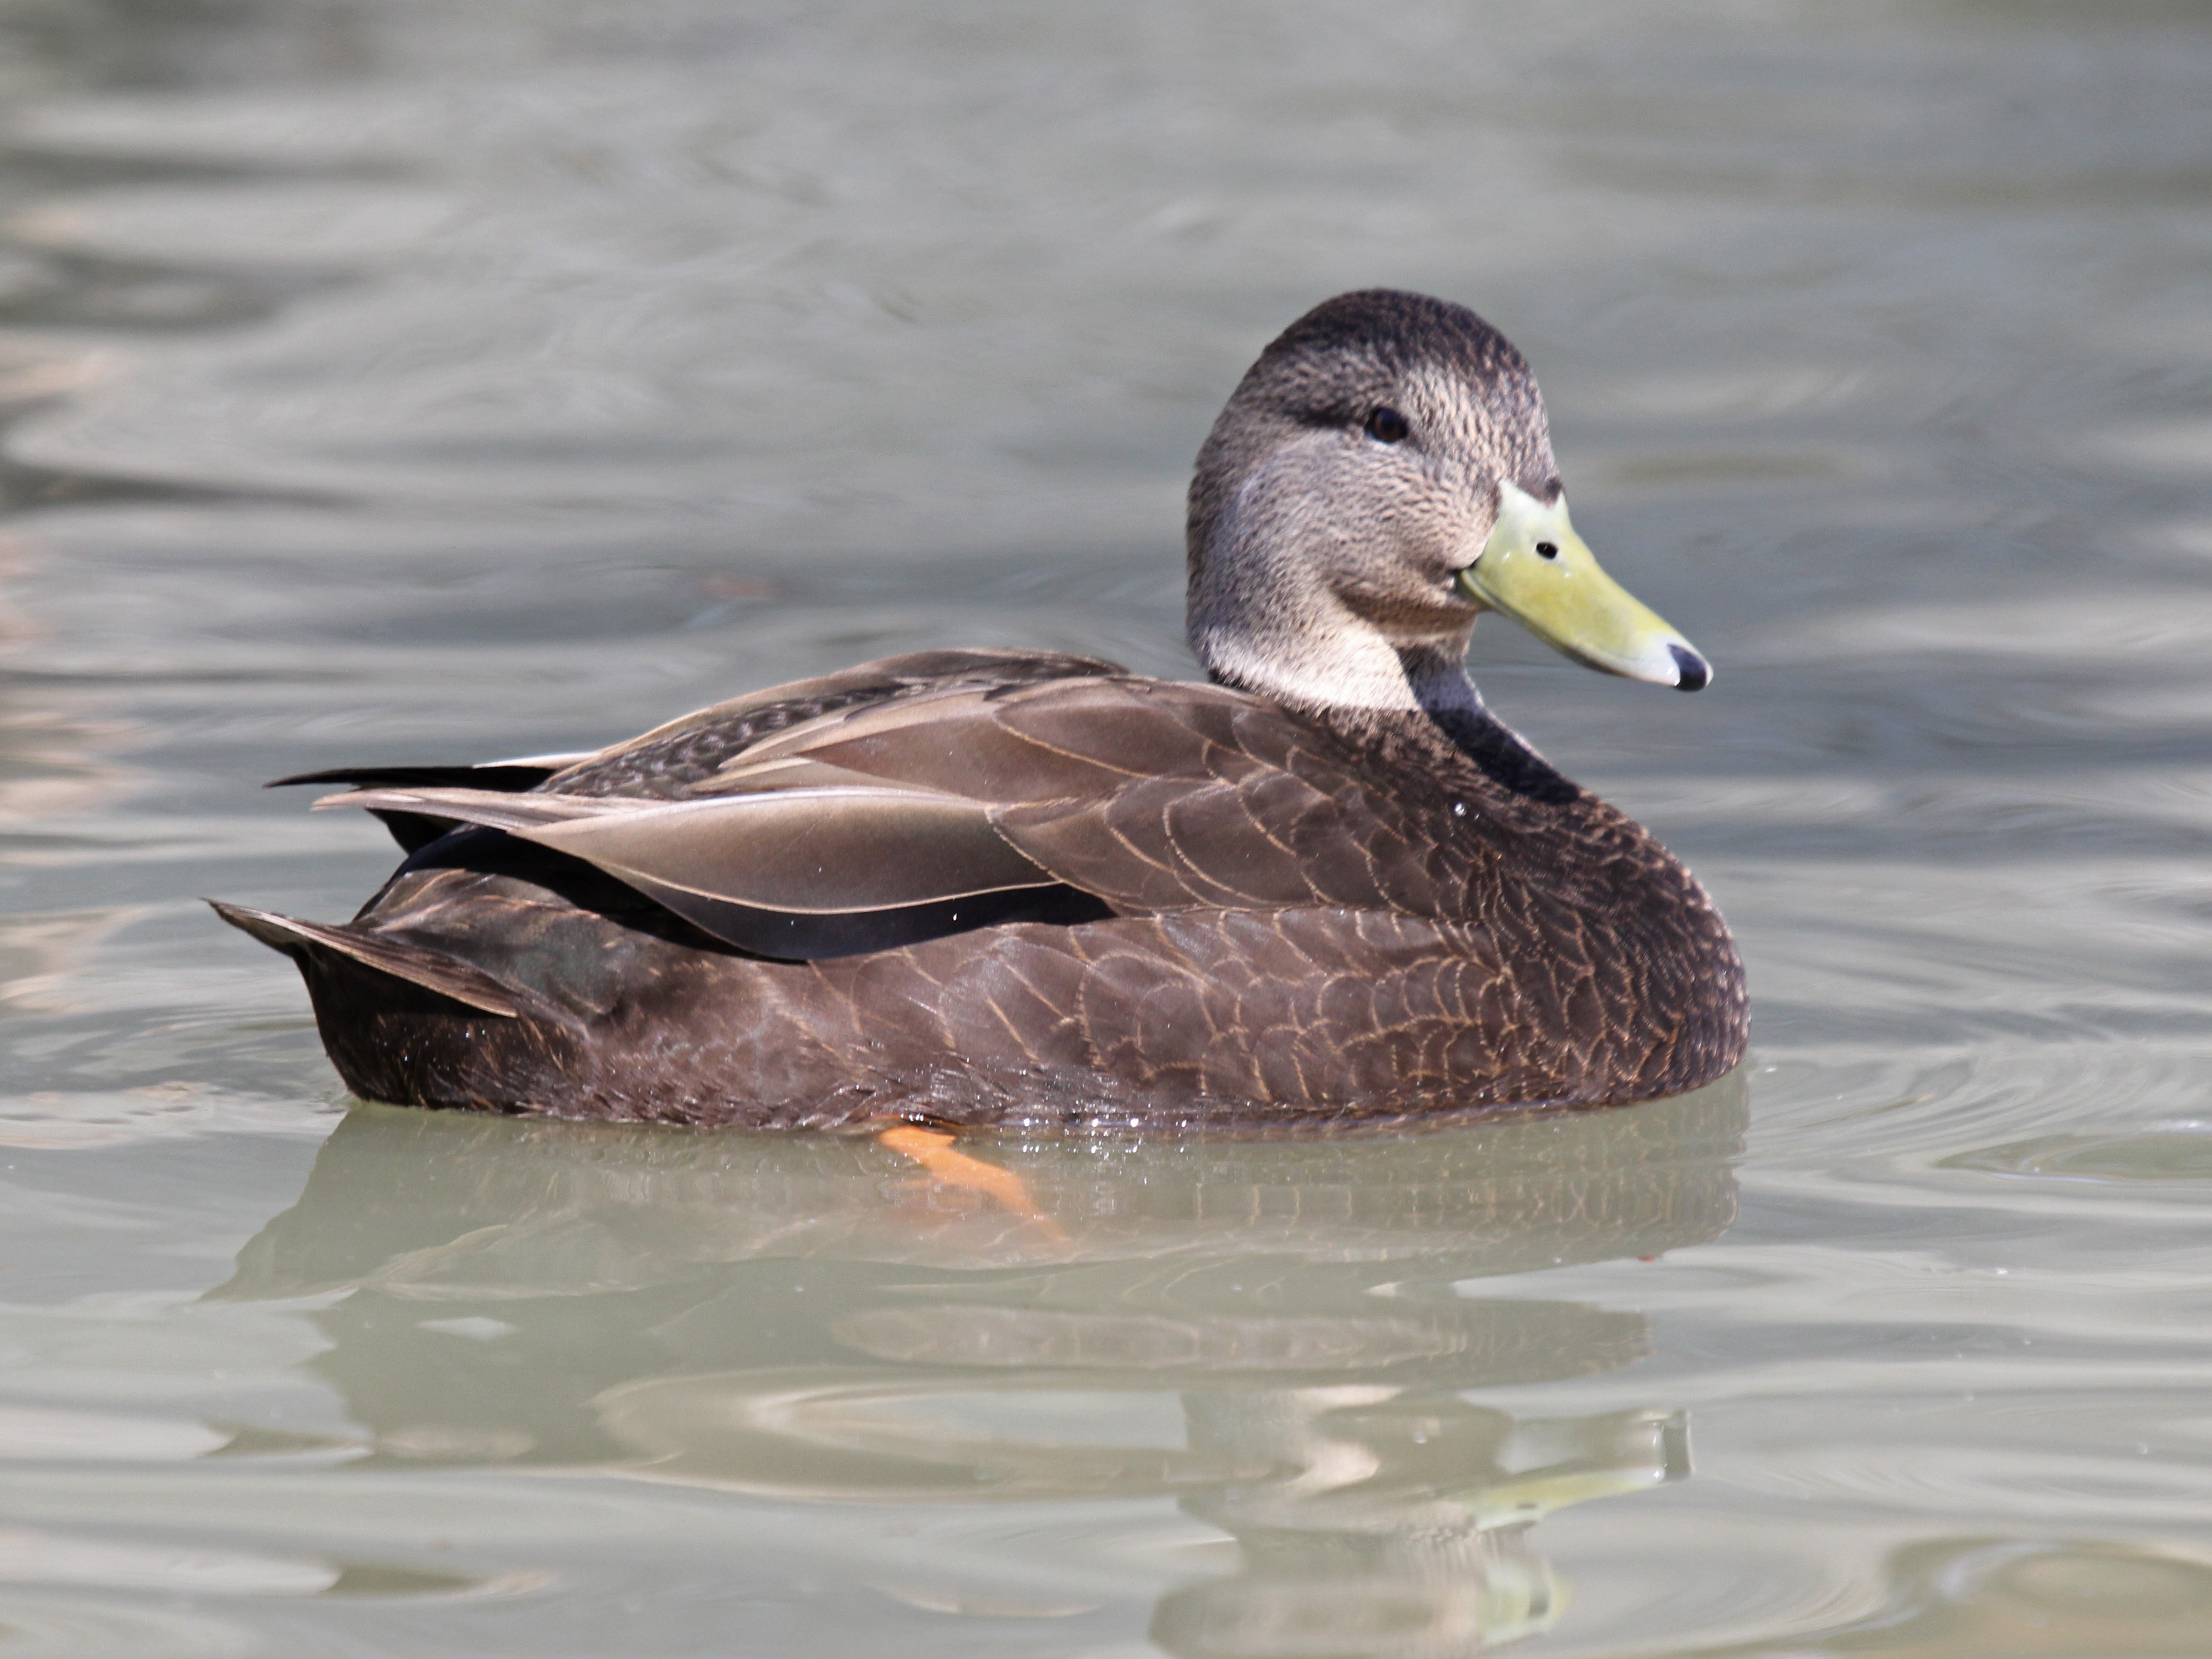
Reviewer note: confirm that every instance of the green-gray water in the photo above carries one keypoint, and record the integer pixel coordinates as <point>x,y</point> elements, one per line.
<point>392,380</point>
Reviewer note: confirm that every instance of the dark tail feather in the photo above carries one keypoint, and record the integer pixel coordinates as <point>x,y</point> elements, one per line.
<point>434,970</point>
<point>508,776</point>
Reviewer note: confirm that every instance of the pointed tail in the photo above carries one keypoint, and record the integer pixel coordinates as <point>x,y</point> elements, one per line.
<point>434,970</point>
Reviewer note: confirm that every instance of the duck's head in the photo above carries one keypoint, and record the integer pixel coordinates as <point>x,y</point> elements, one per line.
<point>1380,477</point>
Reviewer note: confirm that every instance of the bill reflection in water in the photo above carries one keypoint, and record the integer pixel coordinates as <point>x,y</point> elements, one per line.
<point>803,1319</point>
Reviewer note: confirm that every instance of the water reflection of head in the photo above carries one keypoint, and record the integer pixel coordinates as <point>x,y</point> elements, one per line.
<point>639,1296</point>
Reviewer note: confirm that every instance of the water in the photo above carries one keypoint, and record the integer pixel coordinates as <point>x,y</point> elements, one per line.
<point>392,380</point>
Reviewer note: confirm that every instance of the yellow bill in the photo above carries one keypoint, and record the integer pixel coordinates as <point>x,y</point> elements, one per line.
<point>1537,571</point>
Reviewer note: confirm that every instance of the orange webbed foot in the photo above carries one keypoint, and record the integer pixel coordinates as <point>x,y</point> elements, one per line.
<point>933,1150</point>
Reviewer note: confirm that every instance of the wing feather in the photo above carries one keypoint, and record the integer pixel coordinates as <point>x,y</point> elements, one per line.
<point>1150,795</point>
<point>874,807</point>
<point>815,850</point>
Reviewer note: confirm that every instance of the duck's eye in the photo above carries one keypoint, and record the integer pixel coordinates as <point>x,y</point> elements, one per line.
<point>1387,426</point>
<point>1547,549</point>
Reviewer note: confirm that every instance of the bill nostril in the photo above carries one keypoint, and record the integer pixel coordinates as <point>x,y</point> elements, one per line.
<point>1690,669</point>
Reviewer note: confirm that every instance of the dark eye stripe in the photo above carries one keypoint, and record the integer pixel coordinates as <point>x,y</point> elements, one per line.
<point>1387,426</point>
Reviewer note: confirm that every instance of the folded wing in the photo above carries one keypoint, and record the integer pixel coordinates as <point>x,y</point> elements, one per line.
<point>818,870</point>
<point>1057,791</point>
<point>1152,795</point>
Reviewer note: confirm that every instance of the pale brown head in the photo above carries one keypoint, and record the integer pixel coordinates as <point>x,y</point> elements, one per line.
<point>1383,475</point>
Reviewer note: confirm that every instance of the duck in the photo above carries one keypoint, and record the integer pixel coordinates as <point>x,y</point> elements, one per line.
<point>951,889</point>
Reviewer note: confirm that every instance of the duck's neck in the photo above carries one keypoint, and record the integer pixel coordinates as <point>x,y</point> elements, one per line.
<point>1309,653</point>
<point>1425,714</point>
<point>1455,709</point>
<point>1266,616</point>
<point>1372,675</point>
<point>1264,620</point>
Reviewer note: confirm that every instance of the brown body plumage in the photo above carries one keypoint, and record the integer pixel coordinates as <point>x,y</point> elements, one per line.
<point>991,886</point>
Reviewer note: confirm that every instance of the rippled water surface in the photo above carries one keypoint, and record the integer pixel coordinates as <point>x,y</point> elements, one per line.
<point>384,379</point>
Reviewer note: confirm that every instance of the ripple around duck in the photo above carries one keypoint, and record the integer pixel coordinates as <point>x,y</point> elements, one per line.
<point>194,1568</point>
<point>44,1558</point>
<point>66,1121</point>
<point>66,1627</point>
<point>2167,1153</point>
<point>39,1433</point>
<point>1936,1115</point>
<point>1997,1598</point>
<point>1908,1476</point>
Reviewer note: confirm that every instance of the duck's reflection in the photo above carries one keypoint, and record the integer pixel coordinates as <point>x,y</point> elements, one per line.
<point>1277,1334</point>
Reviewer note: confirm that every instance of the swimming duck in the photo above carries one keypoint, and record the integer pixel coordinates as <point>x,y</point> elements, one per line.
<point>1008,886</point>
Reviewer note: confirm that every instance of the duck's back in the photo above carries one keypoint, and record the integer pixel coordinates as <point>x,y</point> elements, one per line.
<point>989,886</point>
